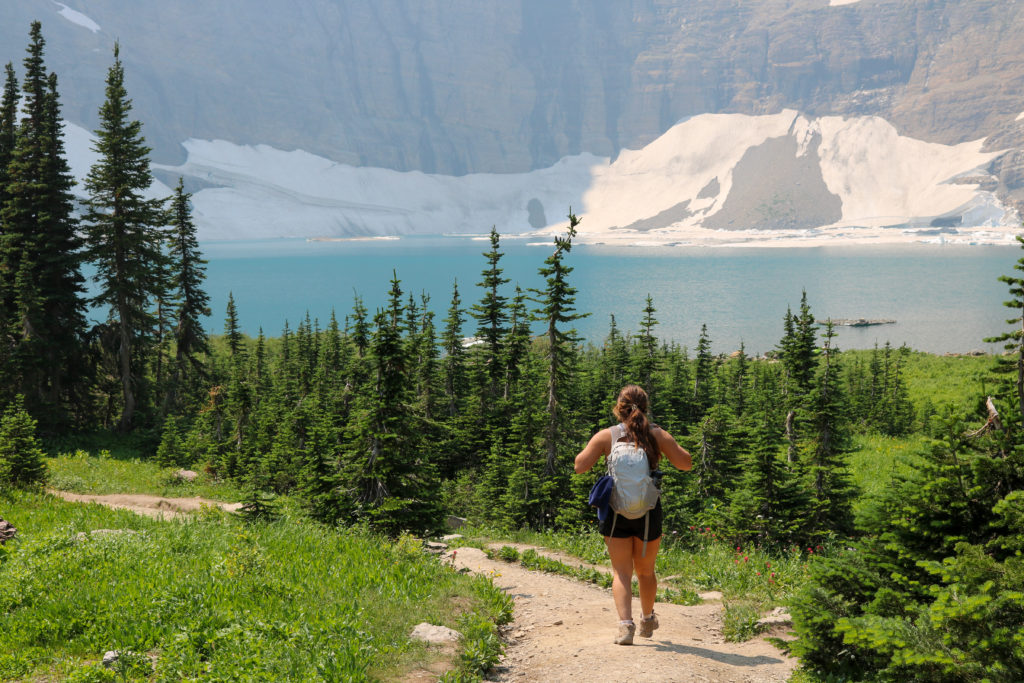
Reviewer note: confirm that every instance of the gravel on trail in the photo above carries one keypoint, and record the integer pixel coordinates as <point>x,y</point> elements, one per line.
<point>563,631</point>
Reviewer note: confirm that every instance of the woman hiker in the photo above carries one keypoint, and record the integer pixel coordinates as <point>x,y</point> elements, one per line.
<point>633,449</point>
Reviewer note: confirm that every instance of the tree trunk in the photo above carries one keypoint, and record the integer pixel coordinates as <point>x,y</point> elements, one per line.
<point>1020,372</point>
<point>124,357</point>
<point>790,437</point>
<point>552,400</point>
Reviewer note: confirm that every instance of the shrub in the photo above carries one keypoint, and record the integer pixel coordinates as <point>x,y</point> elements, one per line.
<point>936,591</point>
<point>171,451</point>
<point>21,459</point>
<point>740,622</point>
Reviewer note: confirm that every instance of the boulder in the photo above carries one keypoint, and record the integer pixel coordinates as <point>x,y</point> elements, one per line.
<point>7,531</point>
<point>186,475</point>
<point>435,547</point>
<point>456,522</point>
<point>432,633</point>
<point>778,616</point>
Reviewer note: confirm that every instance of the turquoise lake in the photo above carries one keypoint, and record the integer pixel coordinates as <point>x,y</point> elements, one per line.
<point>944,298</point>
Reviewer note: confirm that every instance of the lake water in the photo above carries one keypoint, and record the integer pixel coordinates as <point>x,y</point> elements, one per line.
<point>944,298</point>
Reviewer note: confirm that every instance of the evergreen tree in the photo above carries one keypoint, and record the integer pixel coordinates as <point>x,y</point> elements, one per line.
<point>716,464</point>
<point>517,345</point>
<point>1010,367</point>
<point>320,484</point>
<point>935,591</point>
<point>8,131</point>
<point>124,235</point>
<point>260,359</point>
<point>608,376</point>
<point>395,483</point>
<point>426,362</point>
<point>232,333</point>
<point>360,326</point>
<point>898,416</point>
<point>454,362</point>
<point>21,459</point>
<point>703,374</point>
<point>831,491</point>
<point>188,267</point>
<point>557,308</point>
<point>171,451</point>
<point>492,318</point>
<point>678,392</point>
<point>736,392</point>
<point>645,360</point>
<point>769,503</point>
<point>41,283</point>
<point>798,351</point>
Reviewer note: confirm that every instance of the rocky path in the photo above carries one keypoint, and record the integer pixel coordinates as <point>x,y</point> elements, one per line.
<point>151,506</point>
<point>563,631</point>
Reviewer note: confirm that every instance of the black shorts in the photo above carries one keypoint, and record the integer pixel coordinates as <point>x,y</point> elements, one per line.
<point>624,528</point>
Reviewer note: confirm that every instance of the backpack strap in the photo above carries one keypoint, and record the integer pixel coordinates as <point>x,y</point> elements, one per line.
<point>618,431</point>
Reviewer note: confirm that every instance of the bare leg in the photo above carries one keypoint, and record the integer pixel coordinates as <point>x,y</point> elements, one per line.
<point>620,551</point>
<point>645,578</point>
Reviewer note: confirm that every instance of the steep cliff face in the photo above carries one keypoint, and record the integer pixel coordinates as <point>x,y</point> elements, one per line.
<point>462,86</point>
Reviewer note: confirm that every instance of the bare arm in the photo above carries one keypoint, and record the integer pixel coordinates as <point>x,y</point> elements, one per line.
<point>676,454</point>
<point>600,444</point>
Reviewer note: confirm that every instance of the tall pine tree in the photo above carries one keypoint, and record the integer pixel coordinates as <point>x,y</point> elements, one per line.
<point>8,130</point>
<point>491,319</point>
<point>40,256</point>
<point>556,309</point>
<point>124,237</point>
<point>188,268</point>
<point>1010,367</point>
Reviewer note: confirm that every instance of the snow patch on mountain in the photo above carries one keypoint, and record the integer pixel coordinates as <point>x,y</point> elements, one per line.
<point>76,17</point>
<point>885,178</point>
<point>79,146</point>
<point>710,179</point>
<point>265,192</point>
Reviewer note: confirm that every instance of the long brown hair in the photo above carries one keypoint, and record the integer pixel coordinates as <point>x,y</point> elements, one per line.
<point>631,410</point>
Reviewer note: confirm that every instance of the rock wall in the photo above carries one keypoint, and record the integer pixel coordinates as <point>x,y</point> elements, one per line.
<point>464,86</point>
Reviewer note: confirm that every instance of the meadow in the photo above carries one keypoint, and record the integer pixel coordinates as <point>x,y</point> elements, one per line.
<point>213,597</point>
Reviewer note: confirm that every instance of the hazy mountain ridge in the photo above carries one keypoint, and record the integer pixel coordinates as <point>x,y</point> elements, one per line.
<point>467,88</point>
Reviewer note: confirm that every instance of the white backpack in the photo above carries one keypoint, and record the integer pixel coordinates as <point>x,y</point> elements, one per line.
<point>634,493</point>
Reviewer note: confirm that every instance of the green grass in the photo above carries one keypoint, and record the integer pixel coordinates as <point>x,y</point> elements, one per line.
<point>744,575</point>
<point>587,545</point>
<point>876,459</point>
<point>958,381</point>
<point>100,473</point>
<point>740,622</point>
<point>212,598</point>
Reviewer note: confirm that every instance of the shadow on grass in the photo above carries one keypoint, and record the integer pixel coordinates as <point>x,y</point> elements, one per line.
<point>127,447</point>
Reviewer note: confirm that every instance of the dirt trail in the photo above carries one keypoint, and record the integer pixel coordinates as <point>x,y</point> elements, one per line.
<point>151,506</point>
<point>563,631</point>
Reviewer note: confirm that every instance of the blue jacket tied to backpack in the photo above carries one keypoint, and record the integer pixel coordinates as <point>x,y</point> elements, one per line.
<point>601,496</point>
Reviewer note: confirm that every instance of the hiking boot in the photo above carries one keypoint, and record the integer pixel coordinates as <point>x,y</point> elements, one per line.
<point>647,626</point>
<point>625,636</point>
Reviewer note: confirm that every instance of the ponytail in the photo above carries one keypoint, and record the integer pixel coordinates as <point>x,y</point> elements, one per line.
<point>631,410</point>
